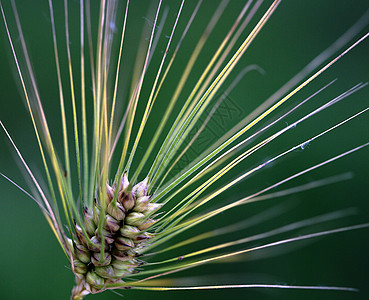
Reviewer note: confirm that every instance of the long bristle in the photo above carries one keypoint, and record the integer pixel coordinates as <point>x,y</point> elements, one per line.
<point>134,192</point>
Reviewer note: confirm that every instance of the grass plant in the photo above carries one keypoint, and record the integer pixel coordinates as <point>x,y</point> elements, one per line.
<point>164,149</point>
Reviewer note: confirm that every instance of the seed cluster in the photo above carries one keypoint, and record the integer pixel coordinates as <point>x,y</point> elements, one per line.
<point>125,230</point>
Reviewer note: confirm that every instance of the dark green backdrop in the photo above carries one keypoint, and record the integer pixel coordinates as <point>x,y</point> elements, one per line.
<point>34,267</point>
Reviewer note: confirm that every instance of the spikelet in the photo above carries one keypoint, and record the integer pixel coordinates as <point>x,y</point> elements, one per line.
<point>126,226</point>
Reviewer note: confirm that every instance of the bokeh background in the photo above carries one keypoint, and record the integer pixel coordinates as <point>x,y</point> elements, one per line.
<point>34,267</point>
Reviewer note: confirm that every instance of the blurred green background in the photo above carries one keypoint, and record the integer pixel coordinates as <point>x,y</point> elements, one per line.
<point>34,267</point>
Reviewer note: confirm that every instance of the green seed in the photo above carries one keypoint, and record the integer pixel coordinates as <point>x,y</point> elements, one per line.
<point>152,207</point>
<point>116,211</point>
<point>140,189</point>
<point>127,201</point>
<point>135,218</point>
<point>141,203</point>
<point>88,221</point>
<point>82,253</point>
<point>94,279</point>
<point>147,224</point>
<point>79,267</point>
<point>123,243</point>
<point>108,236</point>
<point>111,224</point>
<point>98,262</point>
<point>129,231</point>
<point>95,245</point>
<point>123,265</point>
<point>106,272</point>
